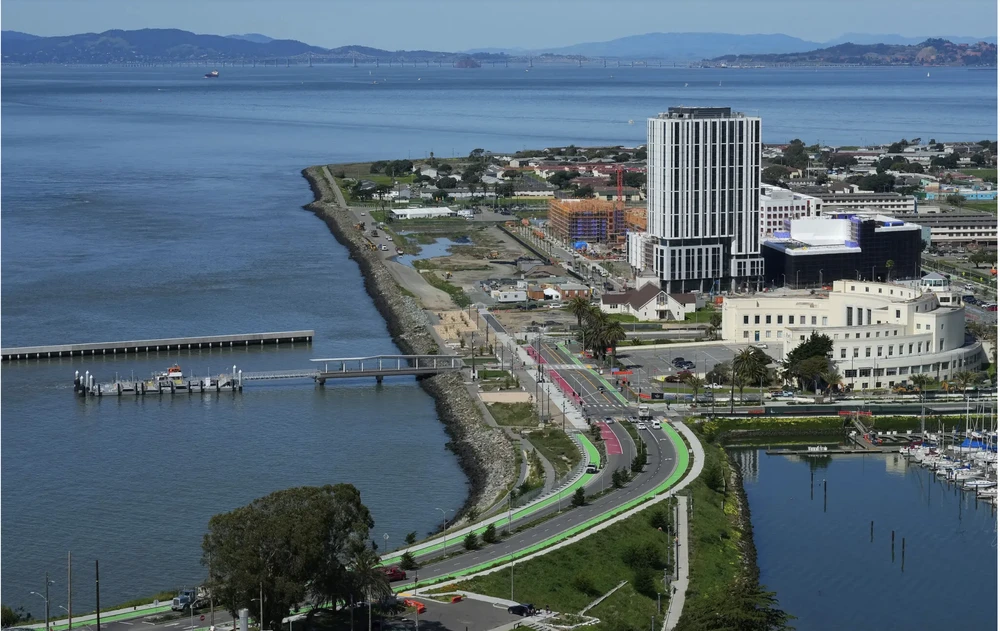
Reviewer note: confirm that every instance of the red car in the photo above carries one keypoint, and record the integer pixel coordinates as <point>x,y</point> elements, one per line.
<point>393,573</point>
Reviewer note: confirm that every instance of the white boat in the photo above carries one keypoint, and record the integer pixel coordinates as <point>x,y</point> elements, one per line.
<point>979,484</point>
<point>985,493</point>
<point>965,474</point>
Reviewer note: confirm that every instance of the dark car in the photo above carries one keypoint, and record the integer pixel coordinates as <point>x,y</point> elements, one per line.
<point>678,361</point>
<point>393,573</point>
<point>521,610</point>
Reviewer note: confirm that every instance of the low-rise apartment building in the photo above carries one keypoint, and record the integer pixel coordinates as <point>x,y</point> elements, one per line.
<point>889,203</point>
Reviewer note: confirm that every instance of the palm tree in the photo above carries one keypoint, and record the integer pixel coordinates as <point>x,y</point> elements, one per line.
<point>367,577</point>
<point>579,306</point>
<point>611,333</point>
<point>963,379</point>
<point>695,383</point>
<point>749,366</point>
<point>921,382</point>
<point>888,269</point>
<point>831,378</point>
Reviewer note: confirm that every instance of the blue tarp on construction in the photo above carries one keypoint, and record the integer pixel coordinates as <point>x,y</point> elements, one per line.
<point>580,245</point>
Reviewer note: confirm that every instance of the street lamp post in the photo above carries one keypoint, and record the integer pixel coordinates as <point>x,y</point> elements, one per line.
<point>46,599</point>
<point>444,524</point>
<point>821,278</point>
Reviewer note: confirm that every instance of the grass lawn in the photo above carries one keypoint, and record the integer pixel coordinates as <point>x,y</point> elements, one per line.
<point>512,414</point>
<point>570,578</point>
<point>703,315</point>
<point>380,178</point>
<point>622,317</point>
<point>990,207</point>
<point>714,537</point>
<point>557,447</point>
<point>989,175</point>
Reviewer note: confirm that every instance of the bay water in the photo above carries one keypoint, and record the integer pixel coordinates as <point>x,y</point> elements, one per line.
<point>150,202</point>
<point>833,561</point>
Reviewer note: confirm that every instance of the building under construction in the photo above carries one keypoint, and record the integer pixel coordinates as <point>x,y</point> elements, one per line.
<point>590,220</point>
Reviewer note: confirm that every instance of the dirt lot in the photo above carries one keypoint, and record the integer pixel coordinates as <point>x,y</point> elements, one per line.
<point>453,325</point>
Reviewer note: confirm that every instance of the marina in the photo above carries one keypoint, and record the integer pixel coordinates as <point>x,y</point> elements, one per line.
<point>174,381</point>
<point>150,346</point>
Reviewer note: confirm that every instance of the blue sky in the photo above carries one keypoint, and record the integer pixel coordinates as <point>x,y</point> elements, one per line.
<point>465,24</point>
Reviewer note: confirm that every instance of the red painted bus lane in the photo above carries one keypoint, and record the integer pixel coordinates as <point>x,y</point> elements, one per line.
<point>611,442</point>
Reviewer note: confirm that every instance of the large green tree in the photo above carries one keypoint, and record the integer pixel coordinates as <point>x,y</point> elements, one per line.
<point>291,546</point>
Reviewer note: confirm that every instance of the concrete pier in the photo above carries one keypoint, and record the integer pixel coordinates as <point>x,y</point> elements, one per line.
<point>148,346</point>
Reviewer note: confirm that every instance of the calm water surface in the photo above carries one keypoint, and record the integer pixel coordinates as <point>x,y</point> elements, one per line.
<point>143,203</point>
<point>828,572</point>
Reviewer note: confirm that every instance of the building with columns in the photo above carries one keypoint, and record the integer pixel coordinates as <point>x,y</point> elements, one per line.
<point>882,333</point>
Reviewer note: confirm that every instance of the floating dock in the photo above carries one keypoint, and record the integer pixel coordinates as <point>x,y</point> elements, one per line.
<point>173,381</point>
<point>150,346</point>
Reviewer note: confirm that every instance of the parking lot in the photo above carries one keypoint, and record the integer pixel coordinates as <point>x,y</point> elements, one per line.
<point>647,364</point>
<point>471,615</point>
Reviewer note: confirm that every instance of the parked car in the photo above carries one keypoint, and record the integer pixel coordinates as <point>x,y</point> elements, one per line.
<point>761,345</point>
<point>678,361</point>
<point>394,573</point>
<point>522,610</point>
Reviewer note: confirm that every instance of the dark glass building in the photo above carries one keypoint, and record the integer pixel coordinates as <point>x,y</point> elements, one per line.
<point>817,251</point>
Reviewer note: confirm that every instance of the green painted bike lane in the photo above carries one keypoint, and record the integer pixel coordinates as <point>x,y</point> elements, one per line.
<point>593,455</point>
<point>683,460</point>
<point>613,390</point>
<point>89,619</point>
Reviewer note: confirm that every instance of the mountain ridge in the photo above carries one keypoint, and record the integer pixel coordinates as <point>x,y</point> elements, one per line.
<point>931,52</point>
<point>175,45</point>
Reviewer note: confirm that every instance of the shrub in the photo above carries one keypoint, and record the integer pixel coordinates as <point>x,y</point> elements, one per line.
<point>471,541</point>
<point>490,534</point>
<point>407,562</point>
<point>660,520</point>
<point>411,538</point>
<point>644,582</point>
<point>584,584</point>
<point>579,499</point>
<point>713,477</point>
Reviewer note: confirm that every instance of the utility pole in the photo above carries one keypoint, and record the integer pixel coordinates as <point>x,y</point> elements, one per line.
<point>69,588</point>
<point>97,585</point>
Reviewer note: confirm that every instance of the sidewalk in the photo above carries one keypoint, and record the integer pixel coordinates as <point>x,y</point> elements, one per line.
<point>680,586</point>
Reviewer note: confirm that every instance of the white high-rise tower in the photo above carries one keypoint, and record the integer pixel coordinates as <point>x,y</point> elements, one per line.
<point>703,192</point>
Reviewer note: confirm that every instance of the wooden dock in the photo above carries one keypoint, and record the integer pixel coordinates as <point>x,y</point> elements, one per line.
<point>151,346</point>
<point>833,451</point>
<point>377,366</point>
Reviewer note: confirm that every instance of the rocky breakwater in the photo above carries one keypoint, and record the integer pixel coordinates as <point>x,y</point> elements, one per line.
<point>485,454</point>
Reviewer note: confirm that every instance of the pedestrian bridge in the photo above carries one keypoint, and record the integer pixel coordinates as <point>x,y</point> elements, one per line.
<point>380,366</point>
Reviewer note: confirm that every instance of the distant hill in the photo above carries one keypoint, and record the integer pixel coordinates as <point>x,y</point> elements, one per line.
<point>146,45</point>
<point>931,52</point>
<point>17,36</point>
<point>253,37</point>
<point>686,46</point>
<point>870,38</point>
<point>173,45</point>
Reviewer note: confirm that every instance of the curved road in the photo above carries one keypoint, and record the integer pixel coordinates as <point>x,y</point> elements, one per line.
<point>661,464</point>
